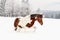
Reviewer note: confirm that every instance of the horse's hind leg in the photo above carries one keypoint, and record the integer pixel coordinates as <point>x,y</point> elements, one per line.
<point>15,28</point>
<point>16,23</point>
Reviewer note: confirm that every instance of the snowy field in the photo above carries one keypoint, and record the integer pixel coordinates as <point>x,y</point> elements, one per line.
<point>50,30</point>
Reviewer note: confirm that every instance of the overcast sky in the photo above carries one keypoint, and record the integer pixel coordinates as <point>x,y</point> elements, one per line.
<point>45,4</point>
<point>42,4</point>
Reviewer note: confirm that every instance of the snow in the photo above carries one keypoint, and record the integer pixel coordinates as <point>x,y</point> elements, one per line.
<point>50,30</point>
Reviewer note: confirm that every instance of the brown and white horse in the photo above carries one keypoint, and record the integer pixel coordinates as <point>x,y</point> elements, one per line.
<point>28,21</point>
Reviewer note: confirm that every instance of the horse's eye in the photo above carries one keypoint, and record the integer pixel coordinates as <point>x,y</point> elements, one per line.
<point>40,16</point>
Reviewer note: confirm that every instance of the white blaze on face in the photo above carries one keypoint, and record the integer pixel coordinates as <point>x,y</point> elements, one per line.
<point>24,21</point>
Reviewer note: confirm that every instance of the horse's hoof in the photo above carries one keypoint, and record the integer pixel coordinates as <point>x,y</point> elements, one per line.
<point>15,29</point>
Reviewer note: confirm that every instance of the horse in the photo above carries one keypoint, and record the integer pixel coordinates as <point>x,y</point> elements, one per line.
<point>28,21</point>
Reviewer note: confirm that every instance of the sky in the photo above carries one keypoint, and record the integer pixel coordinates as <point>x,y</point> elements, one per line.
<point>45,4</point>
<point>53,5</point>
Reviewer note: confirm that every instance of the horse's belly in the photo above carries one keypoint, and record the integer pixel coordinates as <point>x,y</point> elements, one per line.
<point>24,22</point>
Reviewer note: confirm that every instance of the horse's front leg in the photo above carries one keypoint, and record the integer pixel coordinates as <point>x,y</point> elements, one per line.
<point>30,24</point>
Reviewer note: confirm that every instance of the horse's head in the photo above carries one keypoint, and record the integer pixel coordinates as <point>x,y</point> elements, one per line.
<point>35,17</point>
<point>39,19</point>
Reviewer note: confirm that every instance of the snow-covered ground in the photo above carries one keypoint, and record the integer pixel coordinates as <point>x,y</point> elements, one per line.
<point>50,30</point>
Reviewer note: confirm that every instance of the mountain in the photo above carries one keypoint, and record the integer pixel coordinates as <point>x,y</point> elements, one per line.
<point>51,14</point>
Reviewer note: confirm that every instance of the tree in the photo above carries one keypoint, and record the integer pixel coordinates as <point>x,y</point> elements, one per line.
<point>25,9</point>
<point>2,7</point>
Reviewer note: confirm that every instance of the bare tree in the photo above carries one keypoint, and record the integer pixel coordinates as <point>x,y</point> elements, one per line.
<point>25,9</point>
<point>2,7</point>
<point>9,8</point>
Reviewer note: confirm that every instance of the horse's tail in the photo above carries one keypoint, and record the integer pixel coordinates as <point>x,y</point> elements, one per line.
<point>16,23</point>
